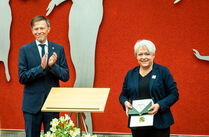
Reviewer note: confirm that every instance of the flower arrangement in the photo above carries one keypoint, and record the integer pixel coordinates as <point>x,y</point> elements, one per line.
<point>63,127</point>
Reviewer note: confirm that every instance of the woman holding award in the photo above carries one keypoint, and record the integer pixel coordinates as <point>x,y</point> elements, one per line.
<point>149,81</point>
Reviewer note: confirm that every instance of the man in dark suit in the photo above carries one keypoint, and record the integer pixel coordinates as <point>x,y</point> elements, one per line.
<point>41,65</point>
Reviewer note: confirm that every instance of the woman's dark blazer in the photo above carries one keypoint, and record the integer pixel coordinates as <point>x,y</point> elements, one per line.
<point>163,91</point>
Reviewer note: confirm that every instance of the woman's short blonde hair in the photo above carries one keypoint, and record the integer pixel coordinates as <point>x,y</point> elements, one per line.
<point>145,43</point>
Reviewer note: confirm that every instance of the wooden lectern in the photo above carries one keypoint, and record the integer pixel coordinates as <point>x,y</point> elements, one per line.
<point>76,100</point>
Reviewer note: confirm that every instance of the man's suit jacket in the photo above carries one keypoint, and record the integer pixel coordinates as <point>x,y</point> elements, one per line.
<point>38,82</point>
<point>163,91</point>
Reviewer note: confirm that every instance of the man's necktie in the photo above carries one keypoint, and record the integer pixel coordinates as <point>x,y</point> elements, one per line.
<point>42,49</point>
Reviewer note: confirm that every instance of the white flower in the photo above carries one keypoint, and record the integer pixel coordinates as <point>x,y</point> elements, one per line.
<point>72,133</point>
<point>71,123</point>
<point>53,135</point>
<point>77,130</point>
<point>53,129</point>
<point>54,122</point>
<point>48,134</point>
<point>67,117</point>
<point>68,126</point>
<point>62,119</point>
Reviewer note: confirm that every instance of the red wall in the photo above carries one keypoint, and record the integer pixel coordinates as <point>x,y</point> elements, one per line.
<point>175,30</point>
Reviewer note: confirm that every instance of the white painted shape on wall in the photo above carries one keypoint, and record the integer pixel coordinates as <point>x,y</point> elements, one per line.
<point>84,22</point>
<point>197,54</point>
<point>5,23</point>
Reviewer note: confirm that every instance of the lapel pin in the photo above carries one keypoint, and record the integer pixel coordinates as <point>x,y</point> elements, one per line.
<point>53,48</point>
<point>153,76</point>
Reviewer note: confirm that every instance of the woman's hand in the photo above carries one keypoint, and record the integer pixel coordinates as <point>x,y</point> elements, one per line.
<point>154,109</point>
<point>127,106</point>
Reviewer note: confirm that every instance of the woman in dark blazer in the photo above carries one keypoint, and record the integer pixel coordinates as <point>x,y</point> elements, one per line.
<point>150,80</point>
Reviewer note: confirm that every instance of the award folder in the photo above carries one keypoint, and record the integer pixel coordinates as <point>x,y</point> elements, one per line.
<point>139,116</point>
<point>134,111</point>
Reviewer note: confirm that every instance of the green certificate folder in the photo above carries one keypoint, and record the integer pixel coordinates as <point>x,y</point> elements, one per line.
<point>144,110</point>
<point>139,116</point>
